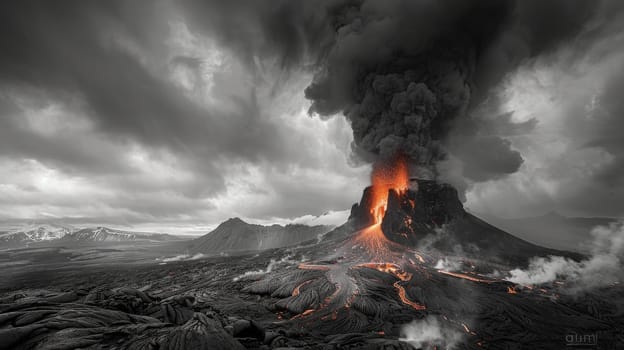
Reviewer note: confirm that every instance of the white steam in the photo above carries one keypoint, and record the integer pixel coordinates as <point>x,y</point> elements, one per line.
<point>603,267</point>
<point>428,333</point>
<point>272,264</point>
<point>183,257</point>
<point>427,243</point>
<point>448,264</point>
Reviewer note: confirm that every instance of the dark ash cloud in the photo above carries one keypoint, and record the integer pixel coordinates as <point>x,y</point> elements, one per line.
<point>404,72</point>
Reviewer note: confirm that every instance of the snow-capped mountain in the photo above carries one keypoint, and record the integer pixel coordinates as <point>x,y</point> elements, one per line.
<point>27,235</point>
<point>32,233</point>
<point>105,234</point>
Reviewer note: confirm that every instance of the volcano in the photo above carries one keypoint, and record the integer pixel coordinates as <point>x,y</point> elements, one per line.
<point>430,213</point>
<point>410,251</point>
<point>389,265</point>
<point>409,269</point>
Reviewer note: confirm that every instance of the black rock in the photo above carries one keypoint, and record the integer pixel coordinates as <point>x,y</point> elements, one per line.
<point>248,329</point>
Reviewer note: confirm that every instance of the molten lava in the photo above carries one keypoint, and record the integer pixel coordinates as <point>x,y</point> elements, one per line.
<point>403,276</point>
<point>465,276</point>
<point>385,176</point>
<point>374,242</point>
<point>391,175</point>
<point>297,289</point>
<point>303,266</point>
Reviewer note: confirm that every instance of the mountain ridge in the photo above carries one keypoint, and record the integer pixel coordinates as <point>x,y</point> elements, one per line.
<point>29,234</point>
<point>234,235</point>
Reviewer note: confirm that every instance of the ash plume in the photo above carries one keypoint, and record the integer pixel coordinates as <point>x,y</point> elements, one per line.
<point>403,73</point>
<point>408,74</point>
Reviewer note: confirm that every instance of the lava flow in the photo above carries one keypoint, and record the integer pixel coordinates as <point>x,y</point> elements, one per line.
<point>385,177</point>
<point>403,276</point>
<point>367,248</point>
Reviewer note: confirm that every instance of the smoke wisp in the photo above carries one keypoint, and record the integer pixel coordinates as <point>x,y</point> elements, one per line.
<point>603,267</point>
<point>272,264</point>
<point>429,333</point>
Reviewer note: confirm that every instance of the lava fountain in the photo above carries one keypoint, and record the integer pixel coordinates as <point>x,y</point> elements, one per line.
<point>386,176</point>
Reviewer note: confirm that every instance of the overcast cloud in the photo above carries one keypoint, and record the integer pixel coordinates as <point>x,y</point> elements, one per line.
<point>182,113</point>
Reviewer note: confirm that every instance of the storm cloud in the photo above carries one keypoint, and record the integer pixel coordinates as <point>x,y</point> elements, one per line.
<point>197,110</point>
<point>142,120</point>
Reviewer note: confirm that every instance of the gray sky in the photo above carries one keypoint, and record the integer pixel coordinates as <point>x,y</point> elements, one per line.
<point>183,114</point>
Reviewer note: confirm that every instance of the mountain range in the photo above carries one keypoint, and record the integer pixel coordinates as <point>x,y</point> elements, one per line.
<point>39,234</point>
<point>236,235</point>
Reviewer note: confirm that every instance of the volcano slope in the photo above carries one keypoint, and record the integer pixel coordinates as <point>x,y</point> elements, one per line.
<point>400,278</point>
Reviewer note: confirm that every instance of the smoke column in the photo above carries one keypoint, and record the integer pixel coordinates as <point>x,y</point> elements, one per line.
<point>407,74</point>
<point>403,72</point>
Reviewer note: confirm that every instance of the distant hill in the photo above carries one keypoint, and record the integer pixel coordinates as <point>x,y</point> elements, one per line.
<point>25,235</point>
<point>553,230</point>
<point>105,234</point>
<point>237,235</point>
<point>54,234</point>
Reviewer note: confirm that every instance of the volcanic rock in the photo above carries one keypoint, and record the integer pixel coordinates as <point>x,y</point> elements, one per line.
<point>248,329</point>
<point>126,317</point>
<point>319,303</point>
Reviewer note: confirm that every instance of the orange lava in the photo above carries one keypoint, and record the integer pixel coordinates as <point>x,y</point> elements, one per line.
<point>296,291</point>
<point>333,296</point>
<point>313,267</point>
<point>385,177</point>
<point>464,276</point>
<point>420,258</point>
<point>303,314</point>
<point>466,328</point>
<point>405,300</point>
<point>390,268</point>
<point>351,299</point>
<point>307,312</point>
<point>403,276</point>
<point>374,242</point>
<point>511,290</point>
